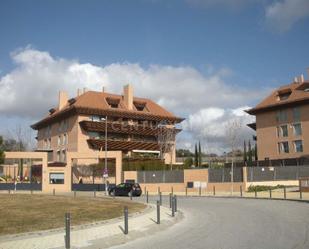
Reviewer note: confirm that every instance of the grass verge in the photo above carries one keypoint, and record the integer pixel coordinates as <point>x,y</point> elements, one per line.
<point>26,213</point>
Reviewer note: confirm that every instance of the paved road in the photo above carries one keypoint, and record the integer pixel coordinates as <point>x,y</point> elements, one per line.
<point>218,223</point>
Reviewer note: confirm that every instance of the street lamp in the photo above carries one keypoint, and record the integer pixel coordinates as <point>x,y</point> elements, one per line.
<point>105,173</point>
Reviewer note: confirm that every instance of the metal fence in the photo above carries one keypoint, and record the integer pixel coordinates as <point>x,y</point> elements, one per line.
<point>257,174</point>
<point>171,176</point>
<point>21,186</point>
<point>224,175</point>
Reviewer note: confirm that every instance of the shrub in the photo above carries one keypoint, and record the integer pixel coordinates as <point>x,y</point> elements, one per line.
<point>263,188</point>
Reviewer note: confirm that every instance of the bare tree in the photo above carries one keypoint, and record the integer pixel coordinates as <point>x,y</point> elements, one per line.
<point>21,138</point>
<point>233,132</point>
<point>24,137</point>
<point>166,140</point>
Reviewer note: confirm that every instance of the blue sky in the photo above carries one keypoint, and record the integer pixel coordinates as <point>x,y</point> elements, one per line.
<point>252,45</point>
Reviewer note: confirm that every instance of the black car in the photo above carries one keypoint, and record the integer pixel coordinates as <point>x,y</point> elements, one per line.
<point>125,189</point>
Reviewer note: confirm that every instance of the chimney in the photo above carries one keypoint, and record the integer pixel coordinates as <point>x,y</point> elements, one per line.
<point>79,92</point>
<point>301,78</point>
<point>63,99</point>
<point>295,79</point>
<point>128,96</point>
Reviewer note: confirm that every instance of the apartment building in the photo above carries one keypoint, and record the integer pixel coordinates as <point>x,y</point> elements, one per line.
<point>282,122</point>
<point>82,123</point>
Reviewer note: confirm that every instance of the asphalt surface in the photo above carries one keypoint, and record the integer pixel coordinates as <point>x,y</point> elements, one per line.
<point>232,223</point>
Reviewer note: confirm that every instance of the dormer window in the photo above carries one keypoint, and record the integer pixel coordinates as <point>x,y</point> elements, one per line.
<point>72,101</point>
<point>284,94</point>
<point>113,103</point>
<point>140,106</point>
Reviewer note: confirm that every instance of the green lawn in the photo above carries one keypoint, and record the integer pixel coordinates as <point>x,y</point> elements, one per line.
<point>25,213</point>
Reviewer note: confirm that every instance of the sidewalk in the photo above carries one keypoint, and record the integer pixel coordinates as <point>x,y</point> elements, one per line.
<point>99,235</point>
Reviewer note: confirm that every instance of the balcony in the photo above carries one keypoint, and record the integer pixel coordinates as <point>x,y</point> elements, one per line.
<point>122,145</point>
<point>121,128</point>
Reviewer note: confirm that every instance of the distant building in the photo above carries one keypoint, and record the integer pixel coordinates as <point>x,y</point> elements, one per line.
<point>78,125</point>
<point>282,122</point>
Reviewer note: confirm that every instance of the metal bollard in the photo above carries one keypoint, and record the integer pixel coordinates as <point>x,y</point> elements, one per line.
<point>300,193</point>
<point>158,190</point>
<point>175,203</point>
<point>172,190</point>
<point>147,199</point>
<point>214,190</point>
<point>170,196</point>
<point>131,195</point>
<point>270,194</point>
<point>126,216</point>
<point>173,206</point>
<point>186,191</point>
<point>67,236</point>
<point>74,193</point>
<point>95,193</point>
<point>160,198</point>
<point>255,193</point>
<point>54,192</point>
<point>240,190</point>
<point>158,212</point>
<point>284,192</point>
<point>200,191</point>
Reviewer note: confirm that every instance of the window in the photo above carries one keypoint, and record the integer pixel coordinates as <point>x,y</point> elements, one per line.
<point>283,147</point>
<point>58,156</point>
<point>296,114</point>
<point>95,118</point>
<point>64,140</point>
<point>64,156</point>
<point>47,132</point>
<point>59,140</point>
<point>298,145</point>
<point>297,129</point>
<point>56,178</point>
<point>282,131</point>
<point>93,134</point>
<point>113,103</point>
<point>63,125</point>
<point>140,106</point>
<point>49,143</point>
<point>284,96</point>
<point>282,116</point>
<point>45,144</point>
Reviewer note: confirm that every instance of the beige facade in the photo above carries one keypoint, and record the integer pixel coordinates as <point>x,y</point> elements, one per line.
<point>79,124</point>
<point>270,136</point>
<point>282,122</point>
<point>65,171</point>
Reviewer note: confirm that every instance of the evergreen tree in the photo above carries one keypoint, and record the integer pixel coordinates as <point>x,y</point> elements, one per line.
<point>245,153</point>
<point>199,154</point>
<point>249,154</point>
<point>195,156</point>
<point>2,156</point>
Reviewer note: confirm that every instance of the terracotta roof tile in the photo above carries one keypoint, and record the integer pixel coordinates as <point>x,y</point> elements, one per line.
<point>98,100</point>
<point>284,95</point>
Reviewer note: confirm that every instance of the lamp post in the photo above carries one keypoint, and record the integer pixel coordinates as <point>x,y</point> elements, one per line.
<point>105,165</point>
<point>105,173</point>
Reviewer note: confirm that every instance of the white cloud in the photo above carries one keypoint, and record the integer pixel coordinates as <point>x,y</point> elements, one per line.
<point>31,88</point>
<point>282,15</point>
<point>209,125</point>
